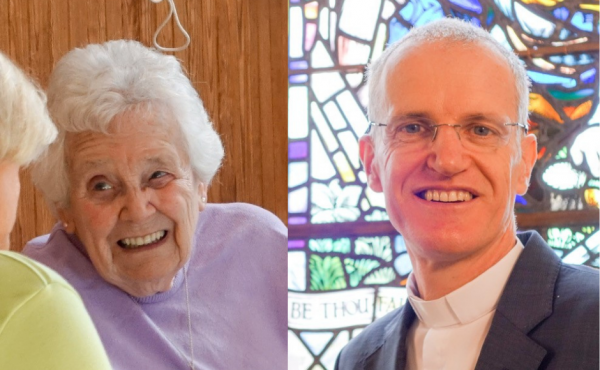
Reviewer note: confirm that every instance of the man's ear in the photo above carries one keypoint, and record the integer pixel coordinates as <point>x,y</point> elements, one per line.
<point>367,157</point>
<point>528,158</point>
<point>66,218</point>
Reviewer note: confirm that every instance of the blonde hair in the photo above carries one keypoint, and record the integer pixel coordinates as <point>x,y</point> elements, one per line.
<point>26,129</point>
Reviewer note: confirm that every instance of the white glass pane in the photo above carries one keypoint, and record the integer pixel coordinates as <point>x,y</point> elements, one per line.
<point>298,200</point>
<point>532,23</point>
<point>316,341</point>
<point>376,199</point>
<point>379,42</point>
<point>324,23</point>
<point>334,116</point>
<point>297,173</point>
<point>299,358</point>
<point>320,58</point>
<point>359,17</point>
<point>297,271</point>
<point>326,84</point>
<point>585,148</point>
<point>353,113</point>
<point>297,112</point>
<point>351,52</point>
<point>323,127</point>
<point>388,9</point>
<point>563,176</point>
<point>332,29</point>
<point>354,79</point>
<point>296,32</point>
<point>320,164</point>
<point>329,357</point>
<point>499,35</point>
<point>350,145</point>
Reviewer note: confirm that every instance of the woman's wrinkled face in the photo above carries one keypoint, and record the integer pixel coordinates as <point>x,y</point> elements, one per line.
<point>9,198</point>
<point>134,201</point>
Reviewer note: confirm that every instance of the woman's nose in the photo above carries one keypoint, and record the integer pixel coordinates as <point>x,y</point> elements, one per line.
<point>137,206</point>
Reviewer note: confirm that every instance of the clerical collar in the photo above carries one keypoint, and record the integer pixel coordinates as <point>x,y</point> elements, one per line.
<point>469,302</point>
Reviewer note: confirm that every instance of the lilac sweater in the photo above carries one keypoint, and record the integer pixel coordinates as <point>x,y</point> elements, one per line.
<point>237,288</point>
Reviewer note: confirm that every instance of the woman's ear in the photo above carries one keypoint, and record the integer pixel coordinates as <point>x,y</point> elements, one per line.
<point>202,191</point>
<point>67,220</point>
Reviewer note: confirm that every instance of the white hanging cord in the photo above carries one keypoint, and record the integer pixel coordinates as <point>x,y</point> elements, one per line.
<point>172,12</point>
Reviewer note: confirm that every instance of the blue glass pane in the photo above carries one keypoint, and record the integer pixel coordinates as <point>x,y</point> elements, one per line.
<point>544,78</point>
<point>465,17</point>
<point>472,5</point>
<point>490,16</point>
<point>588,76</point>
<point>397,31</point>
<point>583,21</point>
<point>299,64</point>
<point>420,12</point>
<point>295,79</point>
<point>561,13</point>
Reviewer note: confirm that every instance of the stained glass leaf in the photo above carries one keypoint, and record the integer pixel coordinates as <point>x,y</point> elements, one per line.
<point>326,273</point>
<point>357,269</point>
<point>330,245</point>
<point>375,246</point>
<point>381,276</point>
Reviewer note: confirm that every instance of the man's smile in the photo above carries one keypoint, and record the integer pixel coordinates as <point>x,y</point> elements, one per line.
<point>449,196</point>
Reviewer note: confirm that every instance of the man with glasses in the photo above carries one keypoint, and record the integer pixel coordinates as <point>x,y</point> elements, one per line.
<point>449,149</point>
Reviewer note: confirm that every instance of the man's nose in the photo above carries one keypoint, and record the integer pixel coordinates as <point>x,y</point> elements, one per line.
<point>137,205</point>
<point>447,156</point>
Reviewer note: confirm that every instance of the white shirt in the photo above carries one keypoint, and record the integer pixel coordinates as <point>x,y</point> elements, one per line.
<point>450,331</point>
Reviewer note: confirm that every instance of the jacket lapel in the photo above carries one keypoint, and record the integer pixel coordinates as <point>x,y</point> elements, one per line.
<point>526,301</point>
<point>391,355</point>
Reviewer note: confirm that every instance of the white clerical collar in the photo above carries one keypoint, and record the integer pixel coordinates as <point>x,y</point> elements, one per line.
<point>469,302</point>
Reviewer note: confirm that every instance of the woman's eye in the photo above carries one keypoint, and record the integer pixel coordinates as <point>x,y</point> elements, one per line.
<point>158,174</point>
<point>158,179</point>
<point>102,186</point>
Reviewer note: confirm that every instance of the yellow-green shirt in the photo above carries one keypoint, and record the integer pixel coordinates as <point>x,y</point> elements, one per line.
<point>43,322</point>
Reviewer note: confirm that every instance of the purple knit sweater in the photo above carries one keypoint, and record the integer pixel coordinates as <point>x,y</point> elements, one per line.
<point>237,278</point>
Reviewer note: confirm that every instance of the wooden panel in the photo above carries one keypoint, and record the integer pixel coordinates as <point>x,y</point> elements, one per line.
<point>237,61</point>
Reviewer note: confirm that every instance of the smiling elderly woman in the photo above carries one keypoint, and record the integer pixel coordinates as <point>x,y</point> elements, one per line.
<point>167,286</point>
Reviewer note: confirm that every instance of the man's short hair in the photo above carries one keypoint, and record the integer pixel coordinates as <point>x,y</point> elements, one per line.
<point>447,30</point>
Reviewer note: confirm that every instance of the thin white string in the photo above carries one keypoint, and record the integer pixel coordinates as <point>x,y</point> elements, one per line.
<point>172,12</point>
<point>187,300</point>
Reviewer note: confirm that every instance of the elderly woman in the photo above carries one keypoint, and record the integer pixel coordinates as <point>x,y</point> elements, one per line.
<point>170,281</point>
<point>43,322</point>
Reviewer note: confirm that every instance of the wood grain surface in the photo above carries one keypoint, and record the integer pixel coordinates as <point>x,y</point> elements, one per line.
<point>237,61</point>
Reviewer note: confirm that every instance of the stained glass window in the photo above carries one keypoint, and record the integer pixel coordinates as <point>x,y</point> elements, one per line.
<point>345,275</point>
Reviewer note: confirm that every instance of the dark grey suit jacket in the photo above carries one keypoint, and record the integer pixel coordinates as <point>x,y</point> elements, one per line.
<point>547,318</point>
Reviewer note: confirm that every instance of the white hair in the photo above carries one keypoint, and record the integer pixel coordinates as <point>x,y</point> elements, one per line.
<point>447,30</point>
<point>25,126</point>
<point>90,86</point>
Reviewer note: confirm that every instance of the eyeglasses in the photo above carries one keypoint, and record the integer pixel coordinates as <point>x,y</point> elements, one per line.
<point>477,135</point>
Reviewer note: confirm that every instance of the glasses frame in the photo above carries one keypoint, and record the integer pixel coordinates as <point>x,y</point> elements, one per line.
<point>455,126</point>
